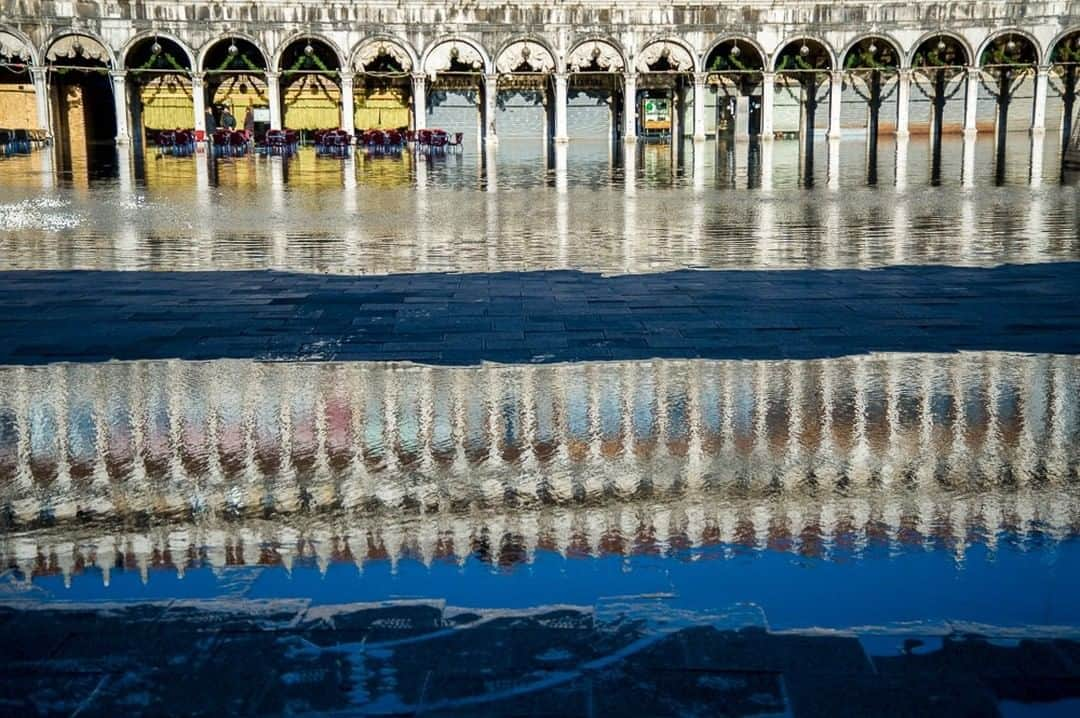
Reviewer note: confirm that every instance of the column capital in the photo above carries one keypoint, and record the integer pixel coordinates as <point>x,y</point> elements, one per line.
<point>837,75</point>
<point>629,75</point>
<point>700,78</point>
<point>904,73</point>
<point>419,77</point>
<point>37,71</point>
<point>118,75</point>
<point>346,79</point>
<point>973,72</point>
<point>561,75</point>
<point>271,76</point>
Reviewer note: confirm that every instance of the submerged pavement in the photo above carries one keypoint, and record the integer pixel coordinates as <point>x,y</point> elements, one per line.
<point>544,316</point>
<point>420,658</point>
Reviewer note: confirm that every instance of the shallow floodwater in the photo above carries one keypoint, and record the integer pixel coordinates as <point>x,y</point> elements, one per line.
<point>875,468</point>
<point>343,535</point>
<point>522,206</point>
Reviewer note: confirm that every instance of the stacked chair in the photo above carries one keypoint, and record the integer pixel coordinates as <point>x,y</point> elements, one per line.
<point>332,143</point>
<point>177,143</point>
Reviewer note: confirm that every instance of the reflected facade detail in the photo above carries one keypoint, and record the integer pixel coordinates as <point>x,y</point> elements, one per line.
<point>376,461</point>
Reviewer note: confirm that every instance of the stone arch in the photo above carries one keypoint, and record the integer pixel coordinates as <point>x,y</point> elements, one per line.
<point>526,51</point>
<point>603,54</point>
<point>671,50</point>
<point>1035,44</point>
<point>15,43</point>
<point>808,41</point>
<point>878,37</point>
<point>1072,32</point>
<point>226,37</point>
<point>719,42</point>
<point>70,43</point>
<point>370,48</point>
<point>930,36</point>
<point>279,54</point>
<point>135,40</point>
<point>442,54</point>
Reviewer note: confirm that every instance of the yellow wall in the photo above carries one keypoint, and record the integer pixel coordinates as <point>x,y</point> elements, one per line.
<point>381,109</point>
<point>312,102</point>
<point>17,109</point>
<point>238,92</point>
<point>167,103</point>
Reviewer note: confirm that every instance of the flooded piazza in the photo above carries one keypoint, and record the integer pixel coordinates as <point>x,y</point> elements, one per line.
<point>591,206</point>
<point>676,427</point>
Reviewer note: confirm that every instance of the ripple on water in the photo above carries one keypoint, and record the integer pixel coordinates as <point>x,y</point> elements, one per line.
<point>464,213</point>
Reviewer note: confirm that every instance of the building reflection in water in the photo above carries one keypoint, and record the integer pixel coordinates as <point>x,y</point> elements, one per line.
<point>239,462</point>
<point>619,212</point>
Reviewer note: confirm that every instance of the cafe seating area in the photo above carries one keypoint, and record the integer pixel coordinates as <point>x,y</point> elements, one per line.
<point>332,142</point>
<point>20,141</point>
<point>280,143</point>
<point>176,143</point>
<point>229,143</point>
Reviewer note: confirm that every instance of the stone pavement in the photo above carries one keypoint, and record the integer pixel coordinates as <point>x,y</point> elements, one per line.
<point>417,658</point>
<point>547,316</point>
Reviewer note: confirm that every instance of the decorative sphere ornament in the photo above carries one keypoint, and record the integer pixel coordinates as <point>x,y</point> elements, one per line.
<point>1011,45</point>
<point>735,50</point>
<point>155,49</point>
<point>872,49</point>
<point>233,49</point>
<point>940,45</point>
<point>804,50</point>
<point>309,50</point>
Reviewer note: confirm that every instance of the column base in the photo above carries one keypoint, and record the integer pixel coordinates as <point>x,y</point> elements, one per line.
<point>491,140</point>
<point>699,138</point>
<point>1037,131</point>
<point>902,134</point>
<point>630,139</point>
<point>766,136</point>
<point>970,132</point>
<point>833,135</point>
<point>122,139</point>
<point>561,140</point>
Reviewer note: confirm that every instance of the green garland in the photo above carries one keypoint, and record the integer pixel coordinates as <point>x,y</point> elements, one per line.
<point>313,59</point>
<point>1063,54</point>
<point>866,60</point>
<point>162,58</point>
<point>238,58</point>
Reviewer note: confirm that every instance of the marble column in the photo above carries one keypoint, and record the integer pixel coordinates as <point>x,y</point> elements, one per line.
<point>419,98</point>
<point>41,97</point>
<point>560,106</point>
<point>273,94</point>
<point>699,105</point>
<point>742,118</point>
<point>120,98</point>
<point>1038,115</point>
<point>629,107</point>
<point>491,94</point>
<point>836,95</point>
<point>198,101</point>
<point>971,101</point>
<point>348,109</point>
<point>903,102</point>
<point>768,92</point>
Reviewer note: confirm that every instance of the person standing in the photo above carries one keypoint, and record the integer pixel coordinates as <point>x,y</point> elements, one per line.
<point>227,120</point>
<point>249,123</point>
<point>211,122</point>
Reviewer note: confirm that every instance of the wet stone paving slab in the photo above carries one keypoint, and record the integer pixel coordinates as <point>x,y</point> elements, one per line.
<point>536,316</point>
<point>415,658</point>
